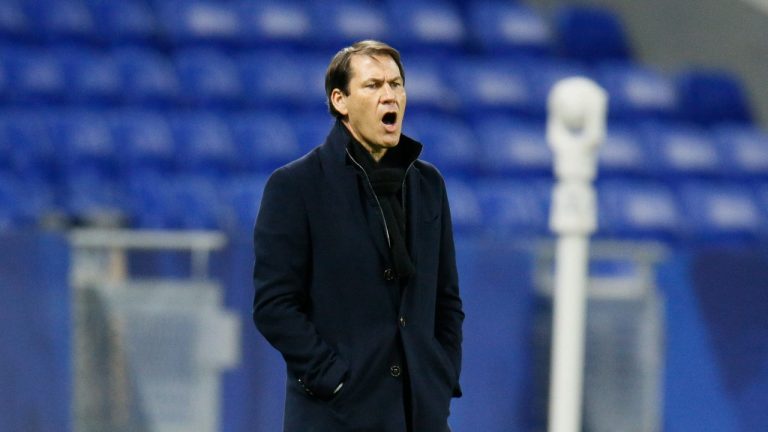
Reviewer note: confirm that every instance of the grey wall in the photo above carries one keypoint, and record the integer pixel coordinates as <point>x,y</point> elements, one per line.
<point>674,34</point>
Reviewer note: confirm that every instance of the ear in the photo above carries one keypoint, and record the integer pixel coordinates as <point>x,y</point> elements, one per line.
<point>339,100</point>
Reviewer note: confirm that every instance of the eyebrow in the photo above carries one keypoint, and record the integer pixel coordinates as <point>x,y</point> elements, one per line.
<point>378,80</point>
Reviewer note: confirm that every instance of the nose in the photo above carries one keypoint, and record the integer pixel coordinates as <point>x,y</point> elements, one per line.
<point>388,93</point>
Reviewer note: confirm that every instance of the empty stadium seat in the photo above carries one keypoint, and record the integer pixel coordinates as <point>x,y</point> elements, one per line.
<point>124,21</point>
<point>57,20</point>
<point>93,78</point>
<point>312,128</point>
<point>148,76</point>
<point>682,151</point>
<point>204,144</point>
<point>744,149</point>
<point>638,92</point>
<point>448,142</point>
<point>86,144</point>
<point>489,86</point>
<point>466,213</point>
<point>623,152</point>
<point>145,143</point>
<point>427,25</point>
<point>510,147</point>
<point>35,76</point>
<point>266,23</point>
<point>516,208</point>
<point>591,34</point>
<point>34,154</point>
<point>427,87</point>
<point>199,22</point>
<point>638,209</point>
<point>341,23</point>
<point>93,201</point>
<point>242,197</point>
<point>209,78</point>
<point>14,21</point>
<point>503,27</point>
<point>710,97</point>
<point>281,79</point>
<point>542,75</point>
<point>264,141</point>
<point>720,211</point>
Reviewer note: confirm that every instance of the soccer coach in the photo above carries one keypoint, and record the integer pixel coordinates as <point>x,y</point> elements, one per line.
<point>355,276</point>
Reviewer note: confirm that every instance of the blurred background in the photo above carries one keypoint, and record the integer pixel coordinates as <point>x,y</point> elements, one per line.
<point>118,117</point>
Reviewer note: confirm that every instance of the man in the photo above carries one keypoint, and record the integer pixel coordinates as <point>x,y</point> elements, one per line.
<point>355,275</point>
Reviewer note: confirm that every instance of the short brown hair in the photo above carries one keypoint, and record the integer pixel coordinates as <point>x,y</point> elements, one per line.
<point>340,71</point>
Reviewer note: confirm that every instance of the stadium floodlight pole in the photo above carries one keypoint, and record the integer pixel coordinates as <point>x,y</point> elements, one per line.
<point>575,129</point>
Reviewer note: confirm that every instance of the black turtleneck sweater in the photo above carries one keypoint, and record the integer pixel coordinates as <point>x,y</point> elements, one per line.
<point>388,179</point>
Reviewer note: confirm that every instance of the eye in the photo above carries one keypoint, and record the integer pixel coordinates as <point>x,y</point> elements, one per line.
<point>396,84</point>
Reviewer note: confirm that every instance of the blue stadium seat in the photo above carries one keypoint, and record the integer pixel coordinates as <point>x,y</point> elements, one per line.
<point>312,128</point>
<point>744,149</point>
<point>280,79</point>
<point>466,212</point>
<point>427,25</point>
<point>94,201</point>
<point>682,151</point>
<point>514,208</point>
<point>710,97</point>
<point>513,147</point>
<point>638,209</point>
<point>14,21</point>
<point>145,143</point>
<point>638,92</point>
<point>34,76</point>
<point>204,144</point>
<point>242,200</point>
<point>148,77</point>
<point>503,27</point>
<point>489,86</point>
<point>591,34</point>
<point>542,75</point>
<point>448,142</point>
<point>124,21</point>
<point>267,23</point>
<point>264,141</point>
<point>198,22</point>
<point>623,153</point>
<point>199,203</point>
<point>720,211</point>
<point>93,78</point>
<point>57,20</point>
<point>150,201</point>
<point>11,216</point>
<point>341,23</point>
<point>427,87</point>
<point>209,78</point>
<point>34,154</point>
<point>86,144</point>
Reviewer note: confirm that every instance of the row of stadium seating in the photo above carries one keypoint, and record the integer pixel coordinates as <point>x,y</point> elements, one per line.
<point>504,207</point>
<point>472,85</point>
<point>53,144</point>
<point>490,26</point>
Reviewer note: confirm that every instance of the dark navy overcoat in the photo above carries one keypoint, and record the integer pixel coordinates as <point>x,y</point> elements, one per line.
<point>327,299</point>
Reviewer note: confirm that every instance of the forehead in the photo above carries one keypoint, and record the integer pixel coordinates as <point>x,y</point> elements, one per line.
<point>365,66</point>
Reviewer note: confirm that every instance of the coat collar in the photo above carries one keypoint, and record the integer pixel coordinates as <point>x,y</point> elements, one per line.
<point>334,150</point>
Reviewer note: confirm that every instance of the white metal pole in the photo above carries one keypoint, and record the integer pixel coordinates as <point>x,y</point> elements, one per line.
<point>575,129</point>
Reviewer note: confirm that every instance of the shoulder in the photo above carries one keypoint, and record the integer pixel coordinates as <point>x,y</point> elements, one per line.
<point>430,174</point>
<point>295,174</point>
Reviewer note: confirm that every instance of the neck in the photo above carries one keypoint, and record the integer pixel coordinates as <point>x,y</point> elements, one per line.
<point>376,152</point>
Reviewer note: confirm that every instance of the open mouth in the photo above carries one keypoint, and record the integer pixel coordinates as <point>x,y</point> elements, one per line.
<point>389,118</point>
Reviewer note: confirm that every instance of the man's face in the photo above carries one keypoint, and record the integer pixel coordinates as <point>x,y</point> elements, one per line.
<point>375,104</point>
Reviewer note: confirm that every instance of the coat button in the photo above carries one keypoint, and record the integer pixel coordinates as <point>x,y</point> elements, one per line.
<point>402,321</point>
<point>395,371</point>
<point>389,274</point>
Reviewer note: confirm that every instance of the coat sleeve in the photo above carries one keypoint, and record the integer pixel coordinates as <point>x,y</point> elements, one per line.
<point>281,276</point>
<point>449,315</point>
